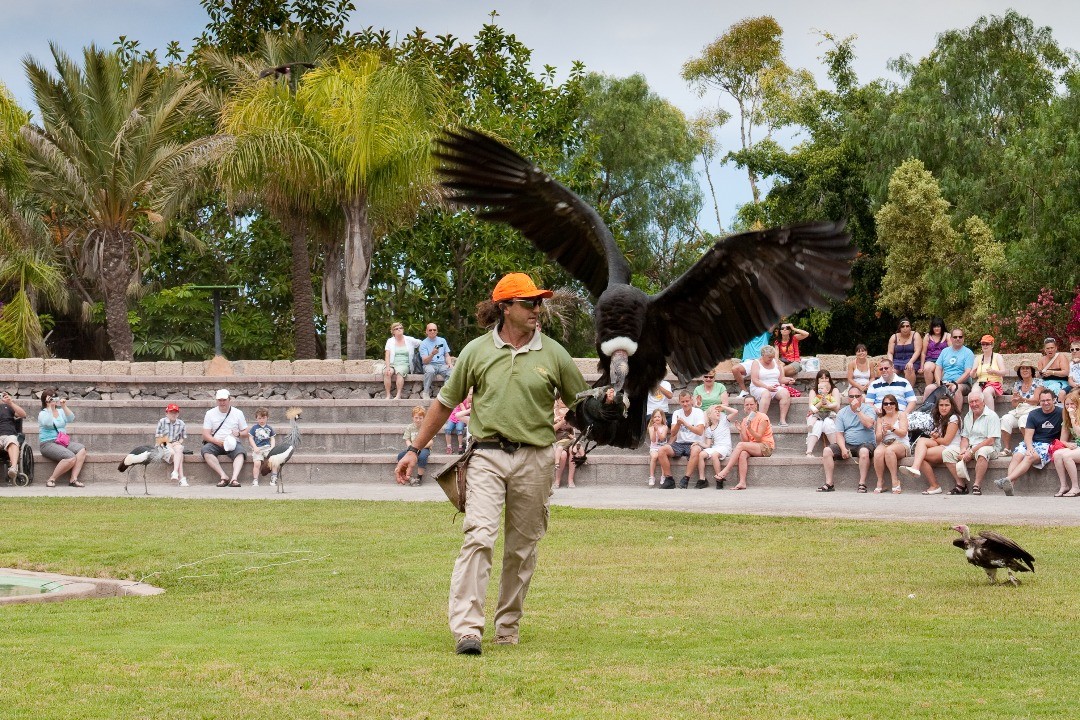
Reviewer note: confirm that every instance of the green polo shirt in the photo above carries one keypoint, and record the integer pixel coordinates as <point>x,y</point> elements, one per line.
<point>513,390</point>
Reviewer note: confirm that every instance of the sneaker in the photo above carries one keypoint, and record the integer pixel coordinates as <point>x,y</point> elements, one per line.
<point>183,481</point>
<point>719,483</point>
<point>416,481</point>
<point>685,482</point>
<point>468,645</point>
<point>174,475</point>
<point>255,482</point>
<point>652,481</point>
<point>1005,484</point>
<point>743,393</point>
<point>911,469</point>
<point>667,483</point>
<point>506,639</point>
<point>12,472</point>
<point>273,478</point>
<point>701,484</point>
<point>425,395</point>
<point>961,471</point>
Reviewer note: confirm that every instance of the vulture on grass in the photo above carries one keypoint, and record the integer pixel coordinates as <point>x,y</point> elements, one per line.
<point>992,552</point>
<point>740,288</point>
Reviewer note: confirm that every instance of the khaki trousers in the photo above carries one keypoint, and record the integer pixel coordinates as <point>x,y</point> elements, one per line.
<point>522,482</point>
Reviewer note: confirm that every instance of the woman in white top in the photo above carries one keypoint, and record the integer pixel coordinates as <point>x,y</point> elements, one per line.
<point>767,381</point>
<point>946,434</point>
<point>398,352</point>
<point>717,438</point>
<point>891,434</point>
<point>860,371</point>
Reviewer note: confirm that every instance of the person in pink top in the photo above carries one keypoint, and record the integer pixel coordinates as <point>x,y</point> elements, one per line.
<point>454,429</point>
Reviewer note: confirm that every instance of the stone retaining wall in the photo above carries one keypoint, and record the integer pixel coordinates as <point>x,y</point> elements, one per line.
<point>289,379</point>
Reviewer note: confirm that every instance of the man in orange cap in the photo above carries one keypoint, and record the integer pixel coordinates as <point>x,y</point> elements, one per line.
<point>515,372</point>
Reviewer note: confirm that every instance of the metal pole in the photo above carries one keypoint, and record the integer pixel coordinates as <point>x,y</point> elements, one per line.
<point>217,322</point>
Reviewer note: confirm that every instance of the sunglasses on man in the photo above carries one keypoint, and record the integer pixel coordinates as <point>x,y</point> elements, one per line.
<point>529,304</point>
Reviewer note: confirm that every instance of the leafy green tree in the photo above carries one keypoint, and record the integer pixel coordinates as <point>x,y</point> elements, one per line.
<point>108,160</point>
<point>237,27</point>
<point>441,266</point>
<point>28,266</point>
<point>638,153</point>
<point>263,97</point>
<point>747,64</point>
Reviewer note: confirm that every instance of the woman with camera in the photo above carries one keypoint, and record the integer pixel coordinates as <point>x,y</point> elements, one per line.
<point>56,443</point>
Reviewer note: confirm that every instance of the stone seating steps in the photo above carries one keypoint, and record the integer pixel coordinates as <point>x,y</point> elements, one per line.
<point>336,437</point>
<point>797,473</point>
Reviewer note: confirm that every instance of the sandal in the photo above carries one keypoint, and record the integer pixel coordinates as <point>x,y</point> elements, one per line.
<point>861,488</point>
<point>50,483</point>
<point>234,483</point>
<point>223,482</point>
<point>1074,493</point>
<point>1060,493</point>
<point>878,491</point>
<point>896,490</point>
<point>826,488</point>
<point>959,490</point>
<point>75,483</point>
<point>976,490</point>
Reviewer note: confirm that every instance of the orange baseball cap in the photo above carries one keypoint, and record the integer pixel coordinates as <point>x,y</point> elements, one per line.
<point>517,285</point>
<point>987,339</point>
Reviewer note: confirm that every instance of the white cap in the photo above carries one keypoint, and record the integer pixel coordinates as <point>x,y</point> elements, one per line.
<point>222,394</point>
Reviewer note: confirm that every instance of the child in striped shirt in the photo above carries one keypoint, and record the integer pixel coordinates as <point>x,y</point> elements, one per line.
<point>171,431</point>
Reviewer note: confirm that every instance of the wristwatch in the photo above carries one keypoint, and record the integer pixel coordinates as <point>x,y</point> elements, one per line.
<point>412,449</point>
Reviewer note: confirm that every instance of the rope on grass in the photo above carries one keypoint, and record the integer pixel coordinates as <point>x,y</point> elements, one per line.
<point>234,554</point>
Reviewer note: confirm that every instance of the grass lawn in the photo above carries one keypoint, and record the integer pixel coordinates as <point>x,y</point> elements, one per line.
<point>630,615</point>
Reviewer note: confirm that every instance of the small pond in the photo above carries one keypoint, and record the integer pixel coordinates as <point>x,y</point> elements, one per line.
<point>21,586</point>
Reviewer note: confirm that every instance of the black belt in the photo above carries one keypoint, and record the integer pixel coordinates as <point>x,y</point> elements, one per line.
<point>501,444</point>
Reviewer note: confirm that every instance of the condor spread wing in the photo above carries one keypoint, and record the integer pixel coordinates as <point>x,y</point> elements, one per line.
<point>1003,546</point>
<point>743,286</point>
<point>480,171</point>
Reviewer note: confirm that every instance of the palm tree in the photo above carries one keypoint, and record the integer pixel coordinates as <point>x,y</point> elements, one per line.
<point>262,93</point>
<point>109,160</point>
<point>28,264</point>
<point>357,131</point>
<point>378,119</point>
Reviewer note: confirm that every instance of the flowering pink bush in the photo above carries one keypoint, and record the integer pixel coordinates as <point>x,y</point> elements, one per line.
<point>1043,318</point>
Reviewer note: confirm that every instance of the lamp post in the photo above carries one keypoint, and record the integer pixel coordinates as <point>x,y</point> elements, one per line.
<point>216,297</point>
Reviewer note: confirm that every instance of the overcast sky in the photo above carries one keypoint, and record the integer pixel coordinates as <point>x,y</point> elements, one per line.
<point>651,37</point>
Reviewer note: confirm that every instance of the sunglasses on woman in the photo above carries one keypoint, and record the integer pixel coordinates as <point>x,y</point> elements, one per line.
<point>888,404</point>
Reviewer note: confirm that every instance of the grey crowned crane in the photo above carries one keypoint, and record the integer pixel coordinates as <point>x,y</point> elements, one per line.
<point>992,552</point>
<point>738,289</point>
<point>144,455</point>
<point>284,450</point>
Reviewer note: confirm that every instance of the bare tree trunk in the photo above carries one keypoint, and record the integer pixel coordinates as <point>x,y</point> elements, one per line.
<point>359,243</point>
<point>116,275</point>
<point>333,294</point>
<point>296,226</point>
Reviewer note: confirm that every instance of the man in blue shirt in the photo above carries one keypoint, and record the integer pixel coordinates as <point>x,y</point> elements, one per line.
<point>954,367</point>
<point>435,354</point>
<point>854,436</point>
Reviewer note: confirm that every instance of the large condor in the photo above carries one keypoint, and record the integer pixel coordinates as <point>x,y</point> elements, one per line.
<point>741,286</point>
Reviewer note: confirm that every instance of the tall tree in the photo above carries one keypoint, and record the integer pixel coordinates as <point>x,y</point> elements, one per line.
<point>747,64</point>
<point>108,159</point>
<point>263,93</point>
<point>28,266</point>
<point>639,153</point>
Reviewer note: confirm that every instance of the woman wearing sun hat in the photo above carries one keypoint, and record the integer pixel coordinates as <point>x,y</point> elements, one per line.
<point>1022,399</point>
